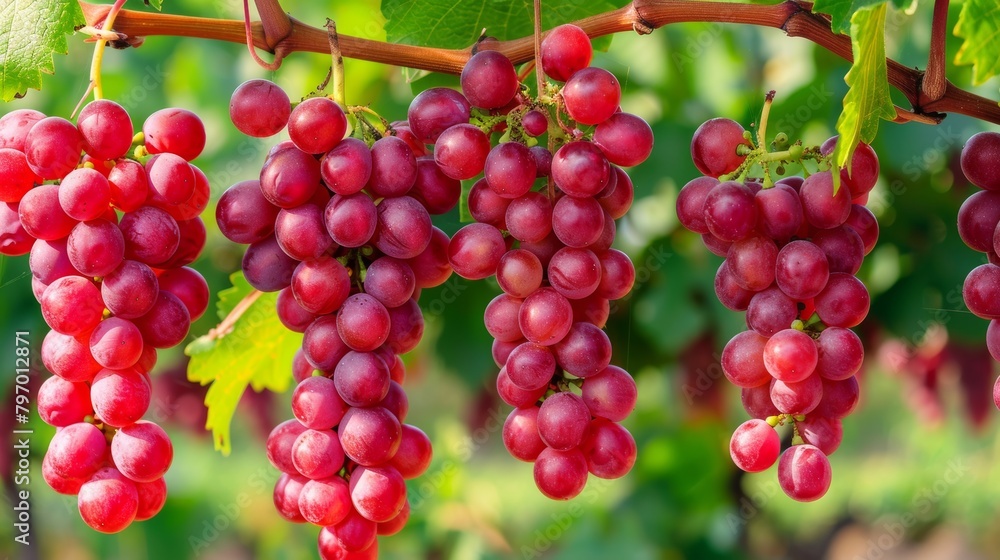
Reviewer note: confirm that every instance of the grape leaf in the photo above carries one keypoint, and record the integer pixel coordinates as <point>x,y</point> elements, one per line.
<point>979,25</point>
<point>868,99</point>
<point>258,351</point>
<point>841,11</point>
<point>30,32</point>
<point>456,24</point>
<point>155,4</point>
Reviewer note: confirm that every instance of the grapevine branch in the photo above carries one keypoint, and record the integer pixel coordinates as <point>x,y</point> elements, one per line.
<point>643,16</point>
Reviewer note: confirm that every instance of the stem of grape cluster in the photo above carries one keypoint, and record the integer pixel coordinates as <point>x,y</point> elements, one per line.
<point>339,88</point>
<point>97,61</point>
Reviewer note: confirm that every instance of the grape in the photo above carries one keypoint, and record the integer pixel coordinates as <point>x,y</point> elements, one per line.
<point>192,240</point>
<point>120,397</point>
<point>565,50</point>
<point>72,305</point>
<point>800,397</point>
<point>378,493</point>
<point>18,177</point>
<point>580,169</point>
<point>510,169</point>
<point>317,454</point>
<point>42,216</point>
<point>530,367</point>
<point>279,444</point>
<point>771,311</point>
<point>14,127</point>
<point>609,448</point>
<point>353,534</point>
<point>287,492</point>
<point>189,286</point>
<point>116,343</point>
<point>543,160</point>
<point>979,291</point>
<point>435,110</point>
<point>502,316</point>
<point>585,351</point>
<point>844,302</point>
<point>266,267</point>
<point>316,125</point>
<point>626,140</point>
<point>728,290</point>
<point>561,475</point>
<point>574,273</point>
<point>351,220</point>
<point>757,401</point>
<point>129,185</point>
<point>520,434</point>
<point>545,317</point>
<point>394,169</point>
<point>58,482</point>
<point>610,394</point>
<point>151,235</point>
<point>406,327</point>
<point>52,147</point>
<point>130,290</point>
<point>593,310</point>
<point>514,395</point>
<point>754,446</point>
<point>317,404</point>
<point>527,218</point>
<point>577,222</point>
<point>171,179</point>
<point>108,502</point>
<point>824,433</point>
<point>14,240</point>
<point>591,95</point>
<point>77,451</point>
<point>142,451</point>
<point>519,273</point>
<point>743,362</point>
<point>431,267</point>
<point>370,436</point>
<point>177,131</point>
<point>95,248</point>
<point>152,498</point>
<point>730,211</point>
<point>977,220</point>
<point>62,403</point>
<point>979,160</point>
<point>489,80</point>
<point>347,167</point>
<point>436,191</point>
<point>414,454</point>
<point>363,323</point>
<point>325,502</point>
<point>691,203</point>
<point>475,251</point>
<point>404,227</point>
<point>779,212</point>
<point>862,172</point>
<point>166,324</point>
<point>821,207</point>
<point>259,108</point>
<point>461,151</point>
<point>790,355</point>
<point>84,194</point>
<point>361,378</point>
<point>322,344</point>
<point>289,178</point>
<point>713,147</point>
<point>535,123</point>
<point>751,262</point>
<point>839,398</point>
<point>69,357</point>
<point>804,473</point>
<point>802,270</point>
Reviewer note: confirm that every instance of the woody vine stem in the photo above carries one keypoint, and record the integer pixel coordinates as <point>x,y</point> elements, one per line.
<point>929,94</point>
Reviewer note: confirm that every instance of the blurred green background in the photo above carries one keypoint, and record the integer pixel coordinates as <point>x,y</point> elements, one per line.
<point>916,476</point>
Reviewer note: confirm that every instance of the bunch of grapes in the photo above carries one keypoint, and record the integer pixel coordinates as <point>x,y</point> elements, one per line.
<point>109,237</point>
<point>341,227</point>
<point>979,228</point>
<point>544,226</point>
<point>792,250</point>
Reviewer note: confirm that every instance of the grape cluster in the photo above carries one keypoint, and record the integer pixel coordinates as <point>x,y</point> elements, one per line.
<point>791,254</point>
<point>341,228</point>
<point>544,226</point>
<point>979,228</point>
<point>109,238</point>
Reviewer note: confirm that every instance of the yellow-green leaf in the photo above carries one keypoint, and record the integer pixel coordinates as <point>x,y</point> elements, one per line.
<point>979,25</point>
<point>31,31</point>
<point>867,101</point>
<point>257,351</point>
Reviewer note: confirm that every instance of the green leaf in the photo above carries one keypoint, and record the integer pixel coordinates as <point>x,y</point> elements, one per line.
<point>842,11</point>
<point>156,4</point>
<point>979,25</point>
<point>30,32</point>
<point>868,99</point>
<point>258,351</point>
<point>458,24</point>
